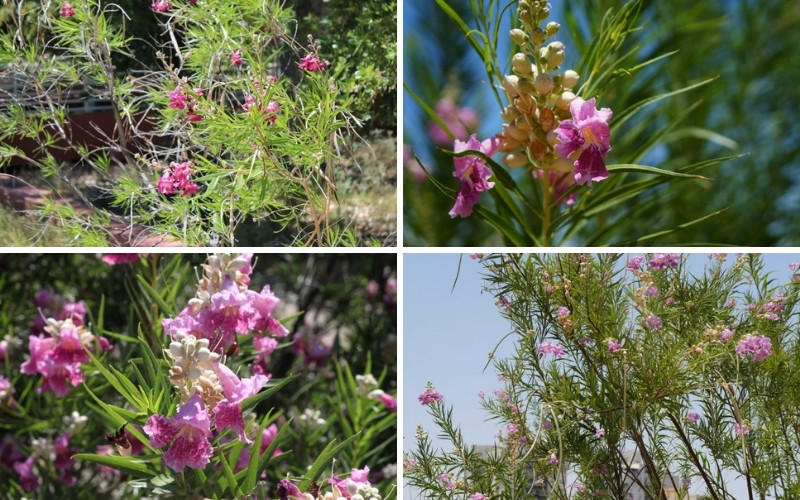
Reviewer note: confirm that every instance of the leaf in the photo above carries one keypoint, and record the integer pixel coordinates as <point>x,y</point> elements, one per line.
<point>644,239</point>
<point>129,465</point>
<point>323,460</point>
<point>630,111</point>
<point>644,169</point>
<point>256,398</point>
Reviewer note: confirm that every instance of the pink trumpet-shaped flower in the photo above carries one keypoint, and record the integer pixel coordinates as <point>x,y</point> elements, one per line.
<point>473,174</point>
<point>586,136</point>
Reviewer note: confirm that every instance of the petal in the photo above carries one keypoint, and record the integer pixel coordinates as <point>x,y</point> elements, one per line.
<point>227,414</point>
<point>570,138</point>
<point>590,167</point>
<point>195,453</point>
<point>160,430</point>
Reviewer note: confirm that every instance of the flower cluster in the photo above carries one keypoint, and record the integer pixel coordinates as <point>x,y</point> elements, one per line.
<point>758,346</point>
<point>67,11</point>
<point>547,126</point>
<point>161,6</point>
<point>181,99</point>
<point>550,348</point>
<point>236,58</point>
<point>57,354</point>
<point>270,110</point>
<point>310,62</point>
<point>222,308</point>
<point>355,487</point>
<point>429,396</point>
<point>175,178</point>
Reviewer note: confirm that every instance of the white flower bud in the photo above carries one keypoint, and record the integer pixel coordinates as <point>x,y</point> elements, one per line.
<point>514,160</point>
<point>551,29</point>
<point>521,64</point>
<point>564,99</point>
<point>570,79</point>
<point>511,85</point>
<point>543,83</point>
<point>518,36</point>
<point>514,132</point>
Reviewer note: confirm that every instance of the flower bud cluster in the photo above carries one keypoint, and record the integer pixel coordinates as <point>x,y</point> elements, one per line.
<point>193,368</point>
<point>538,93</point>
<point>216,269</point>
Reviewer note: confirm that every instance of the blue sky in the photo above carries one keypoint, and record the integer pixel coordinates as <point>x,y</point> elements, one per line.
<point>447,337</point>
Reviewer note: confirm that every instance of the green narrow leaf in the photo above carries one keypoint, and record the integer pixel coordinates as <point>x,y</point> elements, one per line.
<point>644,169</point>
<point>323,461</point>
<point>630,111</point>
<point>644,239</point>
<point>153,294</point>
<point>236,492</point>
<point>129,465</point>
<point>256,398</point>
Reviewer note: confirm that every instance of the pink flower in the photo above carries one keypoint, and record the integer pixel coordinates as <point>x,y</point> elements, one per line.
<point>586,136</point>
<point>478,496</point>
<point>357,479</point>
<point>29,479</point>
<point>758,346</point>
<point>725,335</point>
<point>692,417</point>
<point>312,63</point>
<point>236,58</point>
<point>741,430</point>
<point>652,291</point>
<point>287,489</point>
<point>614,346</point>
<point>188,431</point>
<point>176,98</point>
<point>228,412</point>
<point>67,11</point>
<point>600,432</point>
<point>429,396</point>
<point>550,348</point>
<point>160,6</point>
<point>512,429</point>
<point>563,311</point>
<point>115,259</point>
<point>553,459</point>
<point>547,425</point>
<point>176,178</point>
<point>653,322</point>
<point>472,173</point>
<point>634,264</point>
<point>459,120</point>
<point>388,400</point>
<point>664,260</point>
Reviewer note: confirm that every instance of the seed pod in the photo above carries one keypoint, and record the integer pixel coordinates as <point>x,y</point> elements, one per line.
<point>525,104</point>
<point>546,119</point>
<point>537,149</point>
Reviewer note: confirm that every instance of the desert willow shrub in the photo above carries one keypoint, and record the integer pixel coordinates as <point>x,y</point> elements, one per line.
<point>230,119</point>
<point>697,372</point>
<point>573,137</point>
